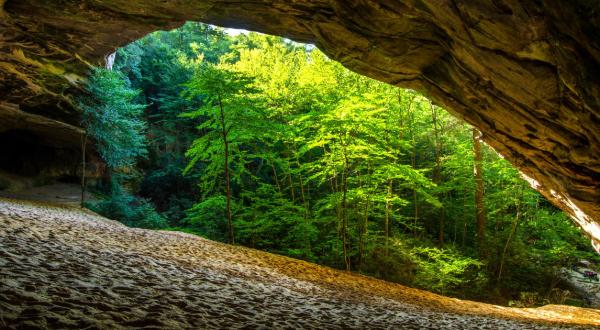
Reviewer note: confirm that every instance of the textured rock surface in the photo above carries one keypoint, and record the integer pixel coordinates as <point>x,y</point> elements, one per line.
<point>50,132</point>
<point>584,287</point>
<point>526,73</point>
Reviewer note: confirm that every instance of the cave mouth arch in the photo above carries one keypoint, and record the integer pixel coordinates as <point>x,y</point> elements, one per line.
<point>523,73</point>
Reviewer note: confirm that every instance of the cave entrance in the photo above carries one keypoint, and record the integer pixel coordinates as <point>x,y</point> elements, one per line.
<point>303,157</point>
<point>36,158</point>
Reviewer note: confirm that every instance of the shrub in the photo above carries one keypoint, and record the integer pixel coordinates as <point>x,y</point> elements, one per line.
<point>444,270</point>
<point>129,210</point>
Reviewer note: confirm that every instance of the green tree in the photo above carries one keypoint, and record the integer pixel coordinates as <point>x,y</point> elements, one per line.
<point>231,118</point>
<point>305,158</point>
<point>112,118</point>
<point>480,213</point>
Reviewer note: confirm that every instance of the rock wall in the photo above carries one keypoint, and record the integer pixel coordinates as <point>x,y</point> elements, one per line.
<point>588,289</point>
<point>43,149</point>
<point>526,73</point>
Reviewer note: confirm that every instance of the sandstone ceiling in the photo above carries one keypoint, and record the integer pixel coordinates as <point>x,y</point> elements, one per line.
<point>526,73</point>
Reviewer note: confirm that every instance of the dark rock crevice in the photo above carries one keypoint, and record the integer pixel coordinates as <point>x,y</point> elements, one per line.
<point>41,148</point>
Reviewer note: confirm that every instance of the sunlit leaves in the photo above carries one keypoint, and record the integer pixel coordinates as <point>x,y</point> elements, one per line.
<point>112,117</point>
<point>443,270</point>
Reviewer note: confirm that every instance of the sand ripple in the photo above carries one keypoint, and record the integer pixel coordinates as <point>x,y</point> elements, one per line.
<point>61,267</point>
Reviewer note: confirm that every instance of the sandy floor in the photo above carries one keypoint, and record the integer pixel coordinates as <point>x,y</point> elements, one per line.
<point>56,193</point>
<point>61,267</point>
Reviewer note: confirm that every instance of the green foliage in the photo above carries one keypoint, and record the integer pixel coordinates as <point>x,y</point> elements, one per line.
<point>111,117</point>
<point>273,223</point>
<point>159,65</point>
<point>230,111</point>
<point>396,264</point>
<point>209,218</point>
<point>169,190</point>
<point>444,270</point>
<point>324,165</point>
<point>128,209</point>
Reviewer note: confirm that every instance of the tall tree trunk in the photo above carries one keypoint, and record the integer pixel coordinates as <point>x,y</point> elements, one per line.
<point>227,174</point>
<point>335,190</point>
<point>307,188</point>
<point>84,138</point>
<point>302,196</point>
<point>479,191</point>
<point>416,213</point>
<point>291,183</point>
<point>275,176</point>
<point>442,225</point>
<point>300,180</point>
<point>413,163</point>
<point>363,234</point>
<point>437,172</point>
<point>344,210</point>
<point>305,201</point>
<point>464,222</point>
<point>388,203</point>
<point>455,223</point>
<point>362,230</point>
<point>289,168</point>
<point>513,230</point>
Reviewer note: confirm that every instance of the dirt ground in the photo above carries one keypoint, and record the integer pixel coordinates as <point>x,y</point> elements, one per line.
<point>62,267</point>
<point>55,193</point>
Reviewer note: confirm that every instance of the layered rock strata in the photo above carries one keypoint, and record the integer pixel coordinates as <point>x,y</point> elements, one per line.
<point>526,73</point>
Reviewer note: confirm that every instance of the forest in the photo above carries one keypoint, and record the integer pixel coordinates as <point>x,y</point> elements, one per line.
<point>259,141</point>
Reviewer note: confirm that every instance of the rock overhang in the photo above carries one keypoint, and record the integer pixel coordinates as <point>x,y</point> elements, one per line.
<point>527,74</point>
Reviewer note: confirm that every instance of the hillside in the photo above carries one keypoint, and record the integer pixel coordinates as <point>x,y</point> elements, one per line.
<point>61,267</point>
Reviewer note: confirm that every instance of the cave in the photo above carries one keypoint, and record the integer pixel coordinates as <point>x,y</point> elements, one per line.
<point>27,154</point>
<point>38,150</point>
<point>527,75</point>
